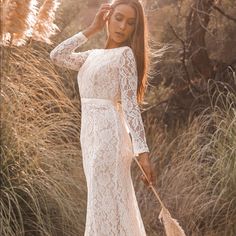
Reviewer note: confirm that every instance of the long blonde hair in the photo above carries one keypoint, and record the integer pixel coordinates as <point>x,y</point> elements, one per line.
<point>139,44</point>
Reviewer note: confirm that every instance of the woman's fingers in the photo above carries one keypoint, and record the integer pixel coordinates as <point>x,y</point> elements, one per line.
<point>104,7</point>
<point>103,10</point>
<point>150,176</point>
<point>144,179</point>
<point>101,17</point>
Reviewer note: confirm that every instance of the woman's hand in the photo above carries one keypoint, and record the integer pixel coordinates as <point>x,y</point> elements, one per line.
<point>99,20</point>
<point>144,161</point>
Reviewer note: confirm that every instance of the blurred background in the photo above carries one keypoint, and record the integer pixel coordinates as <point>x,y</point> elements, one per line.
<point>189,115</point>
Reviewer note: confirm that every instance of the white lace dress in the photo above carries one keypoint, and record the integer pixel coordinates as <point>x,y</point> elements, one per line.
<point>105,77</point>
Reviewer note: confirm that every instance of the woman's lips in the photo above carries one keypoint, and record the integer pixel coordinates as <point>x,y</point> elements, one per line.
<point>119,34</point>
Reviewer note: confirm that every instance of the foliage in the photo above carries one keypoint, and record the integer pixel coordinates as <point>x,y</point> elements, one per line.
<point>42,186</point>
<point>195,168</point>
<point>40,168</point>
<point>23,20</point>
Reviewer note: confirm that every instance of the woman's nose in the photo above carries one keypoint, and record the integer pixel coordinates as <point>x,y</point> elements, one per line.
<point>122,25</point>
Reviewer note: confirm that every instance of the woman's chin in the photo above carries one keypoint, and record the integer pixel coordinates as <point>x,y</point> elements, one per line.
<point>118,40</point>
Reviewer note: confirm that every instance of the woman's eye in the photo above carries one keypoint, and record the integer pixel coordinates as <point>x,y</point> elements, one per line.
<point>131,23</point>
<point>118,18</point>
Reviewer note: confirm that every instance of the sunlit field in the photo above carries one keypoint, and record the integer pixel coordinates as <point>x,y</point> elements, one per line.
<point>189,116</point>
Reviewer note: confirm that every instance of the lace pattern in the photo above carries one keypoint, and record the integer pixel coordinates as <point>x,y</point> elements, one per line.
<point>107,150</point>
<point>128,87</point>
<point>64,56</point>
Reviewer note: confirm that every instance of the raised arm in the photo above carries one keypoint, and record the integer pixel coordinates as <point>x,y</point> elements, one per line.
<point>128,86</point>
<point>63,55</point>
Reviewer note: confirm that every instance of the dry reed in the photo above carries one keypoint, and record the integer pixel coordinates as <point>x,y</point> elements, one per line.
<point>45,28</point>
<point>195,170</point>
<point>40,167</point>
<point>18,18</point>
<point>22,20</point>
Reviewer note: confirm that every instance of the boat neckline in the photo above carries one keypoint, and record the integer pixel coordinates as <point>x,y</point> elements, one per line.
<point>114,48</point>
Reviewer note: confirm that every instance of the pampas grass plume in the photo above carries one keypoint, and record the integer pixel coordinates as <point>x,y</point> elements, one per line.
<point>21,20</point>
<point>171,225</point>
<point>45,27</point>
<point>17,19</point>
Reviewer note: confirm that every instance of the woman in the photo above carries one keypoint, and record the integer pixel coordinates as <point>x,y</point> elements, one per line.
<point>107,76</point>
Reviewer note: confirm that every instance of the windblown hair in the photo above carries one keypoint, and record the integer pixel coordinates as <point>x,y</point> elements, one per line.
<point>139,44</point>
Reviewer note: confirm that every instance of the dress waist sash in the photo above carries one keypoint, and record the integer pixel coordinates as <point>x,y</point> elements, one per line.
<point>117,104</point>
<point>99,101</point>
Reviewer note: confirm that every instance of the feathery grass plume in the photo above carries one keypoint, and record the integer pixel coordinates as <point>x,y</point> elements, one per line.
<point>1,22</point>
<point>18,18</point>
<point>44,27</point>
<point>172,227</point>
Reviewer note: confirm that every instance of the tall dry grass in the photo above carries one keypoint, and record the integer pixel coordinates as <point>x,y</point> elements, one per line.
<point>196,170</point>
<point>22,21</point>
<point>44,27</point>
<point>42,186</point>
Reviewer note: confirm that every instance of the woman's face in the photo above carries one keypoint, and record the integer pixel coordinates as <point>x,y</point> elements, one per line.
<point>121,24</point>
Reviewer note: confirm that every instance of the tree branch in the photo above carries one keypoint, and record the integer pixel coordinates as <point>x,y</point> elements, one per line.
<point>224,14</point>
<point>183,59</point>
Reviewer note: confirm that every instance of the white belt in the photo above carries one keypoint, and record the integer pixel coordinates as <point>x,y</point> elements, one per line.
<point>105,101</point>
<point>99,101</point>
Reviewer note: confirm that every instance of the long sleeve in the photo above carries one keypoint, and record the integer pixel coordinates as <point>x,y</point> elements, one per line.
<point>128,86</point>
<point>63,55</point>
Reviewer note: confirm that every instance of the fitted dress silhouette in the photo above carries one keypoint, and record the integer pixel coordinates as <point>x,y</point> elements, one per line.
<point>107,81</point>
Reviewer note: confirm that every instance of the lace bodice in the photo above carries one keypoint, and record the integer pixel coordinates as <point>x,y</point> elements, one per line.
<point>108,74</point>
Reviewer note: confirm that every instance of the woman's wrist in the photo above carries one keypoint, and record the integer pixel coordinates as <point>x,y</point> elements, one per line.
<point>143,156</point>
<point>89,31</point>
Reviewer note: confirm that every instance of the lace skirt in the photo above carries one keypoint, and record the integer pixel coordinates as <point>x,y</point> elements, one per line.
<point>112,208</point>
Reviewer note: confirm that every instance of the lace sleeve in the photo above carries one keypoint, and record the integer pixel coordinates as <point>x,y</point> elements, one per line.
<point>128,87</point>
<point>63,55</point>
